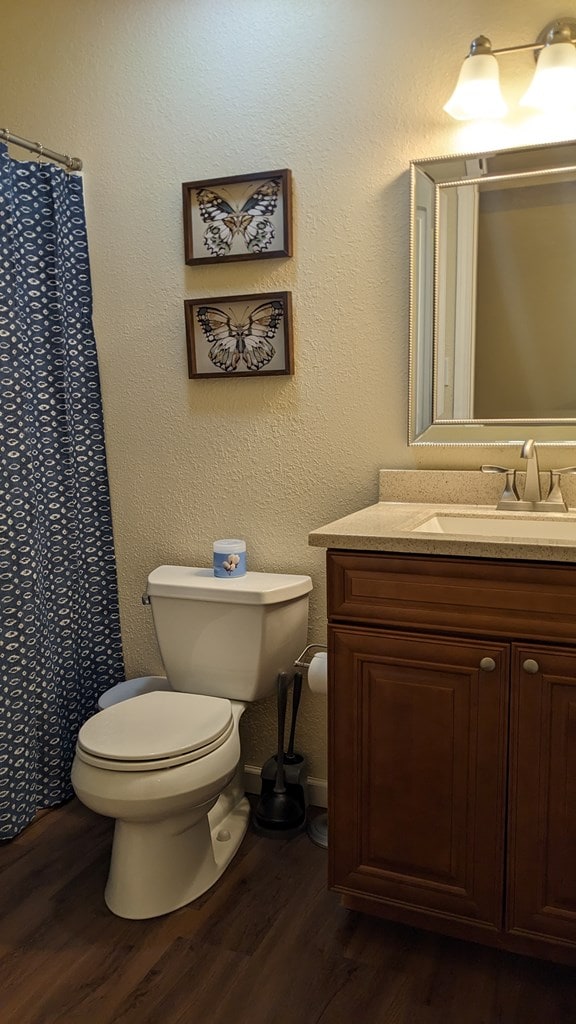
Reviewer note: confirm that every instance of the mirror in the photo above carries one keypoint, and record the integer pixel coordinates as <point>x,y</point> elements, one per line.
<point>492,298</point>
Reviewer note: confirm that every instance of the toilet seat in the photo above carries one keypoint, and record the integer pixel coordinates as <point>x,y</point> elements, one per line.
<point>155,730</point>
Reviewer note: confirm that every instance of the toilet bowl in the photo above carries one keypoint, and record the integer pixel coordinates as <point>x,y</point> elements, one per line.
<point>180,809</point>
<point>163,756</point>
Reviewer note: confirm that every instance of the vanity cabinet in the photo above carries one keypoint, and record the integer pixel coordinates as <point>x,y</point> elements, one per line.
<point>452,739</point>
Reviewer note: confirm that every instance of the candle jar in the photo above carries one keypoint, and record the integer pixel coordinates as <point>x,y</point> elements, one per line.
<point>229,558</point>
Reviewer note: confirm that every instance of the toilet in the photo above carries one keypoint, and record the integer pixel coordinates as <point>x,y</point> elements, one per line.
<point>162,757</point>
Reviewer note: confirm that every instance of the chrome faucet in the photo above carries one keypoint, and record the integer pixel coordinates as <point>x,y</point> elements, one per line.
<point>532,491</point>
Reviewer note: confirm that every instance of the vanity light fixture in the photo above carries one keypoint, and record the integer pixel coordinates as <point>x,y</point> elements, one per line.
<point>553,87</point>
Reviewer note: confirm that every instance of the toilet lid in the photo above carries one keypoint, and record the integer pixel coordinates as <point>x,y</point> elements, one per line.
<point>156,726</point>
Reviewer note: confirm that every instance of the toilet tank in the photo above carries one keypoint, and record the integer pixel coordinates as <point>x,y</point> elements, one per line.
<point>228,637</point>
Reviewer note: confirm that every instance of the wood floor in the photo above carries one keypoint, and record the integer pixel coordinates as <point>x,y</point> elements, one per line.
<point>268,945</point>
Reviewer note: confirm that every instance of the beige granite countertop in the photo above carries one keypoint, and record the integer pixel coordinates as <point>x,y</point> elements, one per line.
<point>389,524</point>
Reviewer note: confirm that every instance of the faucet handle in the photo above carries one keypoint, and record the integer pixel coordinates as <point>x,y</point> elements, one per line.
<point>555,496</point>
<point>509,496</point>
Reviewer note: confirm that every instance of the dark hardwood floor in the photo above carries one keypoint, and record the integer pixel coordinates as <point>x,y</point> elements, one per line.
<point>267,945</point>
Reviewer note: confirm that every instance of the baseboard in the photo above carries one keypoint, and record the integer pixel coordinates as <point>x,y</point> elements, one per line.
<point>317,788</point>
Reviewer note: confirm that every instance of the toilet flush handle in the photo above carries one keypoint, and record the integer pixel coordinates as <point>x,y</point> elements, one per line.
<point>145,599</point>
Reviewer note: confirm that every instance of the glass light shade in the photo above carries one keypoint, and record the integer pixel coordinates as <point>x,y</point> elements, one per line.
<point>554,84</point>
<point>477,93</point>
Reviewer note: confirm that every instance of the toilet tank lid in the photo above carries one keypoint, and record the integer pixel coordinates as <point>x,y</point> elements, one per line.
<point>197,584</point>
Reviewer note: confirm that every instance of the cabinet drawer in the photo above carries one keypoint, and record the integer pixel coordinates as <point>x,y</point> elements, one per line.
<point>535,600</point>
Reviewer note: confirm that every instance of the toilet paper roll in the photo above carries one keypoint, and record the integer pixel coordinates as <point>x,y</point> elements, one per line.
<point>318,673</point>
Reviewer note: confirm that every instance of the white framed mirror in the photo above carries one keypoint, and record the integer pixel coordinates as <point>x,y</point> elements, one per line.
<point>493,297</point>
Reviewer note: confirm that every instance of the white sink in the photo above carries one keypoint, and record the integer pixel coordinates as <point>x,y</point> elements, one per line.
<point>495,526</point>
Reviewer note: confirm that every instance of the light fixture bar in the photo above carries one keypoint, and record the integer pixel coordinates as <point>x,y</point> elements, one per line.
<point>517,49</point>
<point>561,30</point>
<point>483,45</point>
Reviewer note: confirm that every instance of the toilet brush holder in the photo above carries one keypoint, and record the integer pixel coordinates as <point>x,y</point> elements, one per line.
<point>296,775</point>
<point>295,781</point>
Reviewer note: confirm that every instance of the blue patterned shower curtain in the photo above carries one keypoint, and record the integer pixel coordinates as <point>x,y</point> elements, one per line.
<point>59,626</point>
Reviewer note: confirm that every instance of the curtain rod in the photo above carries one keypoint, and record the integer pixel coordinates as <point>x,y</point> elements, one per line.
<point>73,163</point>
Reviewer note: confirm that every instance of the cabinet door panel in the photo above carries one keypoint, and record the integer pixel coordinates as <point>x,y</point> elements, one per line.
<point>417,771</point>
<point>542,844</point>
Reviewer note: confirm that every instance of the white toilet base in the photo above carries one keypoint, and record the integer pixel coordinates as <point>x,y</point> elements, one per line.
<point>158,866</point>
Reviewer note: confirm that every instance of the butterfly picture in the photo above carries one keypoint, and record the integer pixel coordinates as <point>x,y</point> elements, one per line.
<point>251,221</point>
<point>237,218</point>
<point>242,335</point>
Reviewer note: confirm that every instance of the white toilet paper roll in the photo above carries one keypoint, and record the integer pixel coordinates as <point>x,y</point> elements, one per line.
<point>318,673</point>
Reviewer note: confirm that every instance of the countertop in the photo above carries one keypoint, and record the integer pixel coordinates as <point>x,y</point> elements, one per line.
<point>388,525</point>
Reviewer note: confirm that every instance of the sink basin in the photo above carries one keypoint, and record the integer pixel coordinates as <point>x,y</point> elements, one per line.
<point>494,526</point>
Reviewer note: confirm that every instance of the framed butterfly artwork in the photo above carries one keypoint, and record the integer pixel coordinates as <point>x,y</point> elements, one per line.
<point>246,217</point>
<point>240,335</point>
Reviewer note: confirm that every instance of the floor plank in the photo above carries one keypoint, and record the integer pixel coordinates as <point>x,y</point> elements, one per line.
<point>267,945</point>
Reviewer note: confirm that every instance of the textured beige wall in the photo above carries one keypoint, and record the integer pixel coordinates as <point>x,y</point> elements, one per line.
<point>344,92</point>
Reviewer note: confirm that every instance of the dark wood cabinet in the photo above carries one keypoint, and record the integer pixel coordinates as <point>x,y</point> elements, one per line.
<point>542,815</point>
<point>452,767</point>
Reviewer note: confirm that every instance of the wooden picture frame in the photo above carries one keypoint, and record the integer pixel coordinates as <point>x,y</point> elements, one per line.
<point>240,335</point>
<point>244,217</point>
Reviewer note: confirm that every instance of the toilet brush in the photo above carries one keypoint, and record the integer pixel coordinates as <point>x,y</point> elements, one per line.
<point>290,757</point>
<point>278,813</point>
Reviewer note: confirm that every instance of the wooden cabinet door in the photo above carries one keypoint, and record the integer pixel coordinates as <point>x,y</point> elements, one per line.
<point>417,773</point>
<point>542,826</point>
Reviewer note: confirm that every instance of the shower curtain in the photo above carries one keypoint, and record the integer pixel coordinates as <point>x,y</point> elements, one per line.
<point>59,626</point>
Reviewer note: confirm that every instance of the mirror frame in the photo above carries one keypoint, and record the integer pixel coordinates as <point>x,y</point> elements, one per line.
<point>435,174</point>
